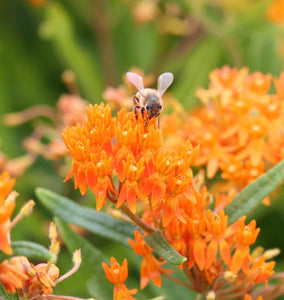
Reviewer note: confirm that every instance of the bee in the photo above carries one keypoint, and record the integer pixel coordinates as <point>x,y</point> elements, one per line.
<point>149,100</point>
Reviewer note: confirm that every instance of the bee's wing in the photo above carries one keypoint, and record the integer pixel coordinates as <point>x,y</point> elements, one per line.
<point>136,80</point>
<point>164,81</point>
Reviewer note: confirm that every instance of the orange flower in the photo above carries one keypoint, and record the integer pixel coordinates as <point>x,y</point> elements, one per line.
<point>131,175</point>
<point>197,246</point>
<point>117,275</point>
<point>248,297</point>
<point>91,148</point>
<point>41,278</point>
<point>19,274</point>
<point>259,83</point>
<point>175,234</point>
<point>12,274</point>
<point>98,177</point>
<point>275,12</point>
<point>36,282</point>
<point>227,77</point>
<point>245,236</point>
<point>7,206</point>
<point>239,121</point>
<point>217,234</point>
<point>231,168</point>
<point>150,268</point>
<point>261,271</point>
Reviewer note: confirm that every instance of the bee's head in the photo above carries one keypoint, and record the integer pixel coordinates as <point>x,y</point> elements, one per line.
<point>153,108</point>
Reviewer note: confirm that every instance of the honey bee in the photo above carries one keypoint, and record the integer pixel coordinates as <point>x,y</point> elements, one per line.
<point>149,100</point>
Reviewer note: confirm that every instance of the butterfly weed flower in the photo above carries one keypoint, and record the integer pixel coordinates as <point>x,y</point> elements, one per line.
<point>7,206</point>
<point>117,274</point>
<point>19,276</point>
<point>238,126</point>
<point>132,167</point>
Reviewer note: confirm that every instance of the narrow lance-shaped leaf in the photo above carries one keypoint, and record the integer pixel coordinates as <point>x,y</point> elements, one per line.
<point>248,199</point>
<point>30,250</point>
<point>96,222</point>
<point>158,243</point>
<point>196,74</point>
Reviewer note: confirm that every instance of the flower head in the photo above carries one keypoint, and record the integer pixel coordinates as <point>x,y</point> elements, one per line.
<point>117,274</point>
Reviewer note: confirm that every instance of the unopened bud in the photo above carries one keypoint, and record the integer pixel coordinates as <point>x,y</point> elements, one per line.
<point>257,252</point>
<point>55,247</point>
<point>27,208</point>
<point>11,198</point>
<point>271,253</point>
<point>77,257</point>
<point>52,231</point>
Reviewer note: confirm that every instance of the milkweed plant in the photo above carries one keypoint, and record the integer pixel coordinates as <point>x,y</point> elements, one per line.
<point>176,192</point>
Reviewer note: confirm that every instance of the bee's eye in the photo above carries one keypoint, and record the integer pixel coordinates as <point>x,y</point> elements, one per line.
<point>149,106</point>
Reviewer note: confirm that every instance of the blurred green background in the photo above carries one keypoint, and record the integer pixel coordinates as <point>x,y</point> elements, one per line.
<point>99,41</point>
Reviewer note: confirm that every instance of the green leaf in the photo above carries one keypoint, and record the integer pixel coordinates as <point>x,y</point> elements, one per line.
<point>92,259</point>
<point>248,199</point>
<point>201,60</point>
<point>257,48</point>
<point>30,250</point>
<point>3,294</point>
<point>158,243</point>
<point>96,222</point>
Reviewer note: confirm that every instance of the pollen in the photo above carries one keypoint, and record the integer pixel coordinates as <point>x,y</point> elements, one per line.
<point>254,172</point>
<point>179,182</point>
<point>256,127</point>
<point>133,168</point>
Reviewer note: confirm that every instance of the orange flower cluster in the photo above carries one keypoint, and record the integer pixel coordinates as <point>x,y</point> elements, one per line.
<point>28,281</point>
<point>117,275</point>
<point>239,126</point>
<point>19,275</point>
<point>105,148</point>
<point>122,161</point>
<point>219,257</point>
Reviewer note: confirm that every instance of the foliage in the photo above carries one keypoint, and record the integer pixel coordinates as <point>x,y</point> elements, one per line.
<point>184,193</point>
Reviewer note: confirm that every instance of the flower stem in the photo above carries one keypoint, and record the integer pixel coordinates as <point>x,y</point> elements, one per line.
<point>179,281</point>
<point>144,226</point>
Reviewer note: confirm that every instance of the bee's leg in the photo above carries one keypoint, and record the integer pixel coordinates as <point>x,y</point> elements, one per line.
<point>157,116</point>
<point>135,109</point>
<point>143,112</point>
<point>146,122</point>
<point>136,106</point>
